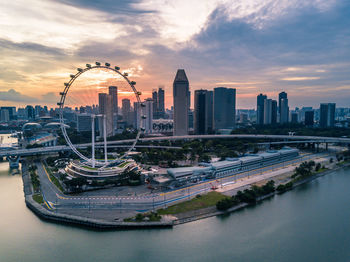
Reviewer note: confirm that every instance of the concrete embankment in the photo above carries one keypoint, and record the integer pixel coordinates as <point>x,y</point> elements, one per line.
<point>49,215</point>
<point>212,211</point>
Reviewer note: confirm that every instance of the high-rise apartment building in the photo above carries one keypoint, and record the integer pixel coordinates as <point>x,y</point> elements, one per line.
<point>181,103</point>
<point>260,109</point>
<point>224,108</point>
<point>327,114</point>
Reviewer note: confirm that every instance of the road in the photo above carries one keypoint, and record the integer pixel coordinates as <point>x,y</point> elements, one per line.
<point>296,139</point>
<point>153,201</point>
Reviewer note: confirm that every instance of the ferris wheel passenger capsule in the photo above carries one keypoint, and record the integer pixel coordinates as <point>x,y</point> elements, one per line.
<point>71,75</point>
<point>80,70</point>
<point>107,64</point>
<point>88,65</point>
<point>133,83</point>
<point>66,84</point>
<point>98,63</point>
<point>117,68</point>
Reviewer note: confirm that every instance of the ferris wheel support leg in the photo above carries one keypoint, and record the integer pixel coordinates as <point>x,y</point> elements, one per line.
<point>105,136</point>
<point>93,140</point>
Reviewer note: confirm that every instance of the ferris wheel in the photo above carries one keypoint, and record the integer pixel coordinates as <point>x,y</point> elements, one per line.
<point>122,77</point>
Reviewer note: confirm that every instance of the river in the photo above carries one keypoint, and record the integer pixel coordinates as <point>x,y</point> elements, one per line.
<point>310,223</point>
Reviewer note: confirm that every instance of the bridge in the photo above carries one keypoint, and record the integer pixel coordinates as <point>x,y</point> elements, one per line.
<point>286,139</point>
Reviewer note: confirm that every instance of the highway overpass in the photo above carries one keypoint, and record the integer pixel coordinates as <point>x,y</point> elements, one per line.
<point>285,139</point>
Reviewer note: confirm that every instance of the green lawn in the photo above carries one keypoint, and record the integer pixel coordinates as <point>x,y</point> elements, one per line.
<point>38,198</point>
<point>207,200</point>
<point>123,164</point>
<point>89,167</point>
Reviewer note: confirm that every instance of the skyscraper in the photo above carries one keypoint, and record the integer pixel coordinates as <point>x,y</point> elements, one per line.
<point>181,103</point>
<point>11,110</point>
<point>155,103</point>
<point>102,103</point>
<point>209,117</point>
<point>294,118</point>
<point>283,107</point>
<point>83,122</point>
<point>126,108</point>
<point>309,118</point>
<point>30,112</point>
<point>5,115</point>
<point>105,106</point>
<point>327,115</point>
<point>161,107</point>
<point>224,108</point>
<point>282,95</point>
<point>203,111</point>
<point>267,111</point>
<point>260,109</point>
<point>148,112</point>
<point>113,92</point>
<point>273,112</point>
<point>137,115</point>
<point>200,104</point>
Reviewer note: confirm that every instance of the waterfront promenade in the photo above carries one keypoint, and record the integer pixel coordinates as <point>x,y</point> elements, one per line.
<point>115,208</point>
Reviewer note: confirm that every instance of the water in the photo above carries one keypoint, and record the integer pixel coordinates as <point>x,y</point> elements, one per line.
<point>310,223</point>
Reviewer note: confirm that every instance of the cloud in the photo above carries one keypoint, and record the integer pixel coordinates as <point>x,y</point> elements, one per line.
<point>300,78</point>
<point>255,46</point>
<point>55,24</point>
<point>15,96</point>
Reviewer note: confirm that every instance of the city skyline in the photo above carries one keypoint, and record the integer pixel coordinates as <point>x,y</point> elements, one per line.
<point>256,47</point>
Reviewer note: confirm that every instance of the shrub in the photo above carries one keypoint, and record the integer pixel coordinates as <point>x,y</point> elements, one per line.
<point>225,204</point>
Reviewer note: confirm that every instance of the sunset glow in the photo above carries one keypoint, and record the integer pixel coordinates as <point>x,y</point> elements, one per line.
<point>253,46</point>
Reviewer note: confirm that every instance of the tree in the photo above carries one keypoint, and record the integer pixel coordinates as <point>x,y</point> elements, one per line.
<point>318,167</point>
<point>204,158</point>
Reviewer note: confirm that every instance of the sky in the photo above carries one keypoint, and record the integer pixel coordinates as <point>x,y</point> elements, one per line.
<point>267,46</point>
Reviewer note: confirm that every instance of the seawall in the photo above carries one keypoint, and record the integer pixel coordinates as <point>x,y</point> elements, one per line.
<point>48,215</point>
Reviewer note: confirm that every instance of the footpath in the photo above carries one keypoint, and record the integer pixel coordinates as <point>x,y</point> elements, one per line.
<point>278,176</point>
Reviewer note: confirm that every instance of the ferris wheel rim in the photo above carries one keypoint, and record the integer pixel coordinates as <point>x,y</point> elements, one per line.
<point>61,107</point>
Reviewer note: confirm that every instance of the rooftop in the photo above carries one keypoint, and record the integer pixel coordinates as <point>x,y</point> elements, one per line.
<point>180,76</point>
